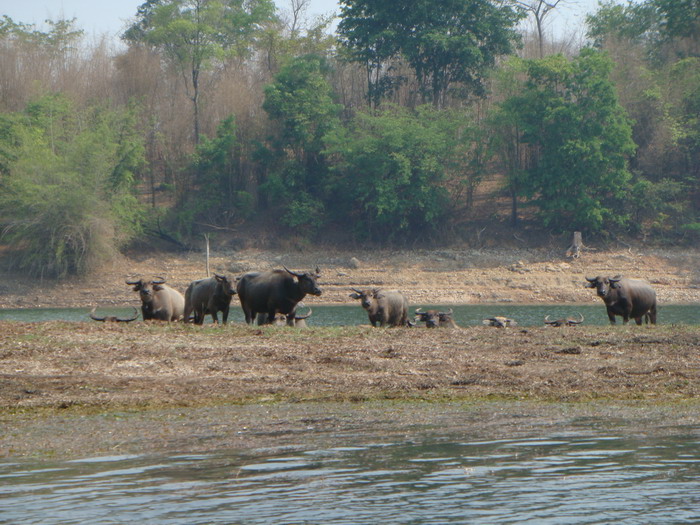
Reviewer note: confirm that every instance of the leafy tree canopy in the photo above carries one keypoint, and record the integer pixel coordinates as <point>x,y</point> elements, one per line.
<point>390,171</point>
<point>580,139</point>
<point>453,43</point>
<point>66,187</point>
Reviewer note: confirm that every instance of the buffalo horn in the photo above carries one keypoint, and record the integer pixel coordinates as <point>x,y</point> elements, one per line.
<point>298,317</point>
<point>114,318</point>
<point>133,282</point>
<point>295,274</point>
<point>92,312</point>
<point>419,310</point>
<point>574,321</point>
<point>590,280</point>
<point>158,280</point>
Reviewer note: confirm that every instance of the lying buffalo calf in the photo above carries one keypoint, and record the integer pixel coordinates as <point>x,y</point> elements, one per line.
<point>114,318</point>
<point>499,322</point>
<point>435,318</point>
<point>290,319</point>
<point>567,321</point>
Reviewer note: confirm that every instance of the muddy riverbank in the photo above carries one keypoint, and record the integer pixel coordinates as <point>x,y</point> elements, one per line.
<point>60,371</point>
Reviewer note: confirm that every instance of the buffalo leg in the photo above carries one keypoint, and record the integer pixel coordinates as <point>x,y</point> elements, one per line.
<point>224,315</point>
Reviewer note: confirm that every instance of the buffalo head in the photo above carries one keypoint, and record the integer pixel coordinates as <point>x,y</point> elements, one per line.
<point>307,281</point>
<point>603,285</point>
<point>146,288</point>
<point>227,287</point>
<point>367,297</point>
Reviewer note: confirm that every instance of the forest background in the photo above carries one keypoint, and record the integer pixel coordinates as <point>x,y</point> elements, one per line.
<point>419,123</point>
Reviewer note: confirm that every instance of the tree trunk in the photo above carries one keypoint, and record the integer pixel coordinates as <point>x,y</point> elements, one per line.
<point>574,250</point>
<point>195,104</point>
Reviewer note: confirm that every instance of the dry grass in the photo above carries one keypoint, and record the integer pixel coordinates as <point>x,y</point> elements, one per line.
<point>60,365</point>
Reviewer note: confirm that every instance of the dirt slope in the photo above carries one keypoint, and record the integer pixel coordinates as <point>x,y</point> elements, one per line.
<point>433,277</point>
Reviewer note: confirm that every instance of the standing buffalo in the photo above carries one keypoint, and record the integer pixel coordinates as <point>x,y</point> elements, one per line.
<point>567,321</point>
<point>209,296</point>
<point>275,291</point>
<point>383,307</point>
<point>629,298</point>
<point>159,302</point>
<point>500,322</point>
<point>114,318</point>
<point>435,318</point>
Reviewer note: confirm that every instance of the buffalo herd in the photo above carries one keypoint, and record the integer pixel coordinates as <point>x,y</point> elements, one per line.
<point>272,297</point>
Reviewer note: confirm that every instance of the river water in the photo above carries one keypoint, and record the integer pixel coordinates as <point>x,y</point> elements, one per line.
<point>592,470</point>
<point>464,315</point>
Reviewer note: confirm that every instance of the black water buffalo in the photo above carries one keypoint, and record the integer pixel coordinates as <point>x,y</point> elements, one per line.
<point>291,319</point>
<point>435,318</point>
<point>209,296</point>
<point>114,318</point>
<point>386,308</point>
<point>500,322</point>
<point>275,291</point>
<point>629,298</point>
<point>159,302</point>
<point>566,321</point>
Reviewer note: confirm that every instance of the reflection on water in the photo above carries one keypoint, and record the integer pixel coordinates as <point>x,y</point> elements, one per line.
<point>464,315</point>
<point>566,477</point>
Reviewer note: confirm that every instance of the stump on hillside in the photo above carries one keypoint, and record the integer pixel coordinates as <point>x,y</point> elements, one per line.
<point>574,250</point>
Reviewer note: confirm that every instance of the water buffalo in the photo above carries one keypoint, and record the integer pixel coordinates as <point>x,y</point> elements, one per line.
<point>291,319</point>
<point>159,302</point>
<point>275,291</point>
<point>435,318</point>
<point>629,298</point>
<point>499,322</point>
<point>114,318</point>
<point>209,296</point>
<point>383,307</point>
<point>567,321</point>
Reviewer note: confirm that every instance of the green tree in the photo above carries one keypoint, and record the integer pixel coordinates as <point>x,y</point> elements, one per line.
<point>685,116</point>
<point>580,139</point>
<point>217,197</point>
<point>195,35</point>
<point>505,129</point>
<point>680,19</point>
<point>391,171</point>
<point>448,46</point>
<point>300,101</point>
<point>67,188</point>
